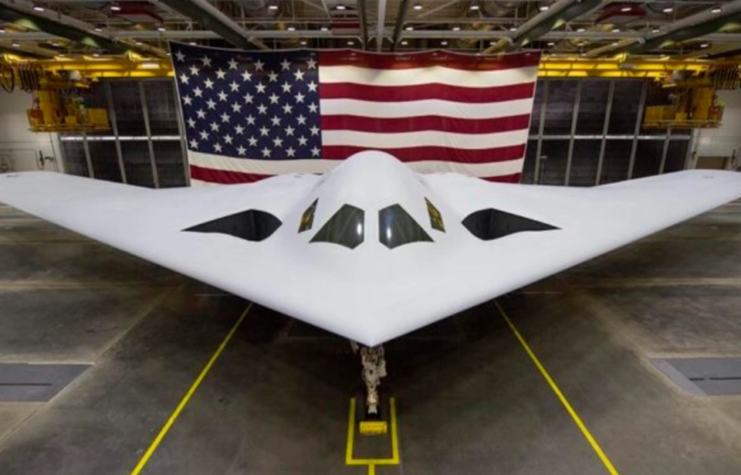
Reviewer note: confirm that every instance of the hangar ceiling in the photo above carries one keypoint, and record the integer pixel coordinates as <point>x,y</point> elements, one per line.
<point>569,28</point>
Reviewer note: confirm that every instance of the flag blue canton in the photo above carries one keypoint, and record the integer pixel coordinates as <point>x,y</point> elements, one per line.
<point>250,105</point>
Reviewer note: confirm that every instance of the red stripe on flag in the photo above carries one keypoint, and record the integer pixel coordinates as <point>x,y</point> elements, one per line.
<point>426,122</point>
<point>443,154</point>
<point>431,58</point>
<point>212,175</point>
<point>514,178</point>
<point>470,95</point>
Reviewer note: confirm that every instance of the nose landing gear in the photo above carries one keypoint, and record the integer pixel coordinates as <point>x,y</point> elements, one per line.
<point>374,368</point>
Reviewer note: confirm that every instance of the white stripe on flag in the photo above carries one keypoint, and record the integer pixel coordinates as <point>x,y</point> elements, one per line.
<point>458,110</point>
<point>276,167</point>
<point>432,74</point>
<point>423,139</point>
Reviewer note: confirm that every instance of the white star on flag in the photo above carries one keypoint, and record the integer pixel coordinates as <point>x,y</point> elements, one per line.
<point>184,78</point>
<point>315,151</point>
<point>266,152</point>
<point>187,100</point>
<point>287,108</point>
<point>239,130</point>
<point>273,99</point>
<point>246,76</point>
<point>194,70</point>
<point>208,83</point>
<point>206,61</point>
<point>220,74</point>
<point>285,65</point>
<point>197,91</point>
<point>228,139</point>
<point>273,76</point>
<point>211,104</point>
<point>259,65</point>
<point>299,75</point>
<point>250,120</point>
<point>278,142</point>
<point>223,96</point>
<point>241,150</point>
<point>180,56</point>
<point>234,86</point>
<point>301,119</point>
<point>225,117</point>
<point>290,152</point>
<point>233,64</point>
<point>311,63</point>
<point>214,127</point>
<point>217,147</point>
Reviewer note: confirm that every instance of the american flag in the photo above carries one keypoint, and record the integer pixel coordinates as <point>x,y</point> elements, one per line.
<point>253,114</point>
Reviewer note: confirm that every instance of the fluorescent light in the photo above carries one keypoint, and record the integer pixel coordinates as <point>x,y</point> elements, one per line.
<point>668,10</point>
<point>341,6</point>
<point>409,28</point>
<point>161,28</point>
<point>95,55</point>
<point>98,29</point>
<point>704,45</point>
<point>456,28</point>
<point>513,29</point>
<point>291,28</point>
<point>616,30</point>
<point>16,44</point>
<point>404,43</point>
<point>474,6</point>
<point>273,7</point>
<point>192,43</point>
<point>545,8</point>
<point>350,43</point>
<point>655,30</point>
<point>492,43</point>
<point>139,43</point>
<point>115,7</point>
<point>149,65</point>
<point>324,28</point>
<point>581,30</point>
<point>443,43</point>
<point>626,9</point>
<point>418,6</point>
<point>2,30</point>
<point>551,43</point>
<point>38,8</point>
<point>303,42</point>
<point>716,10</point>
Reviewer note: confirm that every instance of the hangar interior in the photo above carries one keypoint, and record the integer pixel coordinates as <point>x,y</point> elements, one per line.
<point>629,363</point>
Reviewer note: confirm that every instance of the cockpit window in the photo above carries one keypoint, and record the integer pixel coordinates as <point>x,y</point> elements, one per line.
<point>396,228</point>
<point>307,219</point>
<point>345,228</point>
<point>436,219</point>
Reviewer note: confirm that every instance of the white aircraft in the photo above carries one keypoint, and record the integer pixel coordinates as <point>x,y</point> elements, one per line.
<point>371,250</point>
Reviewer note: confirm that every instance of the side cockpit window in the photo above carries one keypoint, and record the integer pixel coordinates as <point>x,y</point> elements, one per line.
<point>396,228</point>
<point>307,219</point>
<point>345,228</point>
<point>436,219</point>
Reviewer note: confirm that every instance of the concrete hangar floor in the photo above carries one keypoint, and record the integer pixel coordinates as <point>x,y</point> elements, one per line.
<point>136,370</point>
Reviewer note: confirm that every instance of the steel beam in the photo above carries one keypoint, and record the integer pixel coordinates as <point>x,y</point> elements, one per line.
<point>558,14</point>
<point>380,24</point>
<point>400,18</point>
<point>637,129</point>
<point>605,129</point>
<point>362,13</point>
<point>114,127</point>
<point>574,118</point>
<point>148,130</point>
<point>215,20</point>
<point>541,129</point>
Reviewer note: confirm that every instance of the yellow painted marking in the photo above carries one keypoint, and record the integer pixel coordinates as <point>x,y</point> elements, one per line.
<point>577,420</point>
<point>371,463</point>
<point>186,399</point>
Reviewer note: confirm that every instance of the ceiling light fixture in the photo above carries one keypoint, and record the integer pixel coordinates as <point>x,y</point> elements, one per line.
<point>97,29</point>
<point>626,9</point>
<point>115,7</point>
<point>513,29</point>
<point>616,30</point>
<point>704,45</point>
<point>456,28</point>
<point>581,30</point>
<point>161,28</point>
<point>655,30</point>
<point>551,43</point>
<point>443,43</point>
<point>324,28</point>
<point>38,8</point>
<point>350,43</point>
<point>716,10</point>
<point>303,42</point>
<point>272,7</point>
<point>544,8</point>
<point>668,10</point>
<point>409,28</point>
<point>2,30</point>
<point>139,43</point>
<point>341,6</point>
<point>16,44</point>
<point>474,6</point>
<point>404,43</point>
<point>418,6</point>
<point>291,28</point>
<point>192,43</point>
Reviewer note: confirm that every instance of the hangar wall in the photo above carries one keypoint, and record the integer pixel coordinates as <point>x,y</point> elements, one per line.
<point>583,132</point>
<point>19,147</point>
<point>723,141</point>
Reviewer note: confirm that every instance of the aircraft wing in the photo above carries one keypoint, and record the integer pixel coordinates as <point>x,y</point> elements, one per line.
<point>372,293</point>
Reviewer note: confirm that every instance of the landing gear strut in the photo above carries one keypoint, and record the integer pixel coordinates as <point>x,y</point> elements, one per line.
<point>374,368</point>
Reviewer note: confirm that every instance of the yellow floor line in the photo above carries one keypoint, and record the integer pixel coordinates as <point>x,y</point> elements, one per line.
<point>184,402</point>
<point>577,420</point>
<point>371,463</point>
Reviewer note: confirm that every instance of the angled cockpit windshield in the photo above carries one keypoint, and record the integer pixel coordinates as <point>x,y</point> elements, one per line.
<point>396,228</point>
<point>345,228</point>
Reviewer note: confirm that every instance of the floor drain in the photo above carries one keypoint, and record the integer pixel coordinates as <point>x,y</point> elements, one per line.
<point>20,382</point>
<point>703,376</point>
